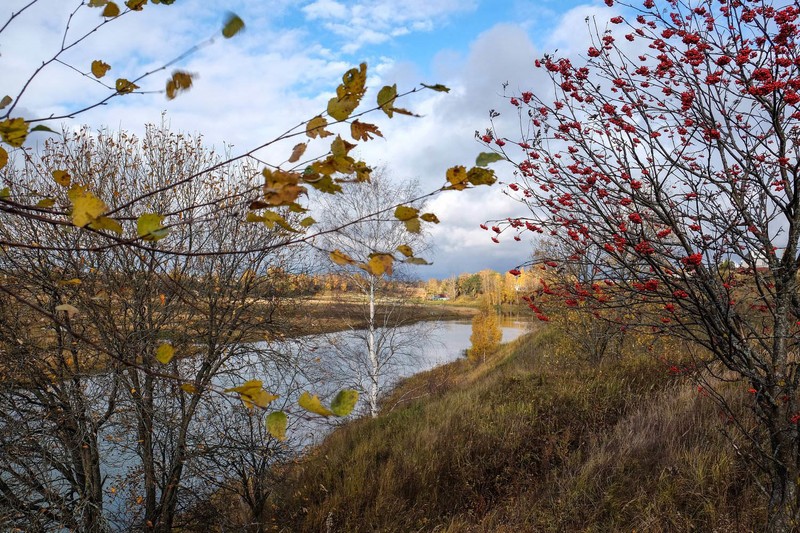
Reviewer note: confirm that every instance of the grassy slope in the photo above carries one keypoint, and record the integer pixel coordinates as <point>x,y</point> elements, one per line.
<point>526,443</point>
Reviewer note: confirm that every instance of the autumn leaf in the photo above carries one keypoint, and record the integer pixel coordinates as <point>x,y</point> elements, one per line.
<point>413,225</point>
<point>380,264</point>
<point>46,203</point>
<point>111,10</point>
<point>99,68</point>
<point>97,3</point>
<point>62,177</point>
<point>344,403</point>
<point>251,393</point>
<point>281,187</point>
<point>14,131</point>
<point>313,405</point>
<point>416,261</point>
<point>457,177</point>
<point>404,212</point>
<point>149,227</point>
<point>3,157</point>
<point>481,176</point>
<point>106,223</point>
<point>5,101</point>
<point>233,25</point>
<point>316,128</point>
<point>349,93</point>
<point>276,425</point>
<point>71,310</point>
<point>429,217</point>
<point>124,86</point>
<point>188,387</point>
<point>363,131</point>
<point>181,81</point>
<point>165,353</point>
<point>68,282</point>
<point>386,97</point>
<point>405,250</point>
<point>341,258</point>
<point>86,207</point>
<point>5,192</point>
<point>135,5</point>
<point>307,222</point>
<point>297,152</point>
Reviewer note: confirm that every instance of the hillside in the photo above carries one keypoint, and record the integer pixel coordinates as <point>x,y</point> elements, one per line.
<point>527,442</point>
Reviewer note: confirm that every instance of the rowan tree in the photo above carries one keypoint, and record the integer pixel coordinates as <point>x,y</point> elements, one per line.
<point>668,148</point>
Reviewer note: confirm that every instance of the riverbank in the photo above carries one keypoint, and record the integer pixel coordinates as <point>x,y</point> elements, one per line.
<point>526,442</point>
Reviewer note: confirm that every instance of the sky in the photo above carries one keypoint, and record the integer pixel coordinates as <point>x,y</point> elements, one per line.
<point>286,65</point>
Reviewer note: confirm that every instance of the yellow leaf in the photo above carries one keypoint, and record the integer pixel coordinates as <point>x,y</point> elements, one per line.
<point>341,258</point>
<point>3,157</point>
<point>403,212</point>
<point>281,187</point>
<point>46,203</point>
<point>276,425</point>
<point>405,250</point>
<point>233,25</point>
<point>66,282</point>
<point>135,5</point>
<point>111,10</point>
<point>180,81</point>
<point>362,131</point>
<point>5,101</point>
<point>106,223</point>
<point>386,97</point>
<point>413,225</point>
<point>97,3</point>
<point>188,387</point>
<point>344,402</point>
<point>62,177</point>
<point>313,405</point>
<point>124,86</point>
<point>380,264</point>
<point>71,310</point>
<point>457,176</point>
<point>297,152</point>
<point>13,131</point>
<point>99,68</point>
<point>307,222</point>
<point>86,207</point>
<point>481,176</point>
<point>252,393</point>
<point>349,93</point>
<point>149,227</point>
<point>165,353</point>
<point>429,217</point>
<point>316,128</point>
<point>5,192</point>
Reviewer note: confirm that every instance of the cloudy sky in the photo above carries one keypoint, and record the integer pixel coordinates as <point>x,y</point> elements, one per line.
<point>285,66</point>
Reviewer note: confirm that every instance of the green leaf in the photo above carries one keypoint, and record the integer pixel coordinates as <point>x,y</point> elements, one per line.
<point>313,405</point>
<point>165,353</point>
<point>42,127</point>
<point>437,87</point>
<point>484,158</point>
<point>149,227</point>
<point>276,424</point>
<point>344,402</point>
<point>233,25</point>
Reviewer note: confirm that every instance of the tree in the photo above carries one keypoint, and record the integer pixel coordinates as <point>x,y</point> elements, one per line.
<point>670,147</point>
<point>370,236</point>
<point>486,333</point>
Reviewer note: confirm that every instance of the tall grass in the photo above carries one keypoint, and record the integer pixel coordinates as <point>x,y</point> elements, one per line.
<point>527,442</point>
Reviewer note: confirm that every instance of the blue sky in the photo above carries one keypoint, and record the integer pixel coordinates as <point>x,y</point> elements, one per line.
<point>284,67</point>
